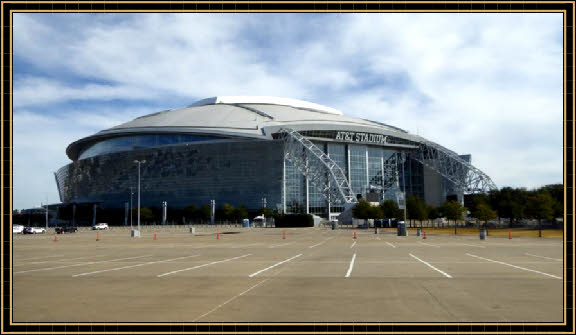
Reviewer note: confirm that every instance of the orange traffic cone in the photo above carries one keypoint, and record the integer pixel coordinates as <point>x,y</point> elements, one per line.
<point>424,235</point>
<point>154,234</point>
<point>509,234</point>
<point>55,237</point>
<point>354,234</point>
<point>97,236</point>
<point>283,234</point>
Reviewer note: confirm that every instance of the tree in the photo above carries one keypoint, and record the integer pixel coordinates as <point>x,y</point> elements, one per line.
<point>205,212</point>
<point>390,209</point>
<point>416,209</point>
<point>453,210</point>
<point>145,214</point>
<point>556,192</point>
<point>540,206</point>
<point>240,213</point>
<point>511,203</point>
<point>484,213</point>
<point>375,212</point>
<point>227,212</point>
<point>361,210</point>
<point>191,212</point>
<point>434,212</point>
<point>267,212</point>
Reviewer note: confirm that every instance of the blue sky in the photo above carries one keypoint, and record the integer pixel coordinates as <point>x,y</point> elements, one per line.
<point>479,83</point>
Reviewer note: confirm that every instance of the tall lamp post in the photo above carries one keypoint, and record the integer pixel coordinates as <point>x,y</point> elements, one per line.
<point>139,163</point>
<point>131,202</point>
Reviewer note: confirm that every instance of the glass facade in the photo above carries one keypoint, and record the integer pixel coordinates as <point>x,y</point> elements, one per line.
<point>317,201</point>
<point>358,168</point>
<point>127,143</point>
<point>238,173</point>
<point>337,152</point>
<point>367,168</point>
<point>375,167</point>
<point>295,189</point>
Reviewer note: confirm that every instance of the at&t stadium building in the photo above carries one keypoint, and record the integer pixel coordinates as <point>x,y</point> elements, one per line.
<point>295,156</point>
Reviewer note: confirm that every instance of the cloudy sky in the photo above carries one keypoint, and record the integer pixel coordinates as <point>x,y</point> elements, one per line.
<point>485,84</point>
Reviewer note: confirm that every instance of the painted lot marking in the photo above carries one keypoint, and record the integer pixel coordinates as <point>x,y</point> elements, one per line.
<point>33,258</point>
<point>432,266</point>
<point>472,245</point>
<point>273,266</point>
<point>554,259</point>
<point>131,266</point>
<point>353,244</point>
<point>351,266</point>
<point>515,266</point>
<point>279,245</point>
<point>244,246</point>
<point>233,298</point>
<point>390,244</point>
<point>63,260</point>
<point>317,244</point>
<point>203,265</point>
<point>431,245</point>
<point>80,264</point>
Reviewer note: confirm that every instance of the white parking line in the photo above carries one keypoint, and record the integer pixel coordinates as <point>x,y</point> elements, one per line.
<point>390,244</point>
<point>516,266</point>
<point>29,259</point>
<point>431,266</point>
<point>131,266</point>
<point>431,245</point>
<point>353,244</point>
<point>243,246</point>
<point>273,266</point>
<point>554,259</point>
<point>317,244</point>
<point>80,264</point>
<point>62,260</point>
<point>472,245</point>
<point>279,245</point>
<point>229,300</point>
<point>351,266</point>
<point>203,265</point>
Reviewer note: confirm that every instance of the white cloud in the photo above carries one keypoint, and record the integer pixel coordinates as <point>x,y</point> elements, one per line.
<point>485,84</point>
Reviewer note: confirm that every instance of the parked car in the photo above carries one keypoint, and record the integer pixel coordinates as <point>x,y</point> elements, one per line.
<point>66,229</point>
<point>17,229</point>
<point>33,230</point>
<point>100,226</point>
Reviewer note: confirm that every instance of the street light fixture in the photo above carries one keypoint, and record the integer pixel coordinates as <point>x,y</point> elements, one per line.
<point>139,163</point>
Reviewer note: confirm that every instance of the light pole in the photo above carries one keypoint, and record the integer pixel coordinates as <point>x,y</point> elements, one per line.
<point>131,206</point>
<point>404,184</point>
<point>139,163</point>
<point>46,216</point>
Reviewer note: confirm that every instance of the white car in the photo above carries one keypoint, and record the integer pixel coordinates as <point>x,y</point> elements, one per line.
<point>100,226</point>
<point>17,229</point>
<point>34,230</point>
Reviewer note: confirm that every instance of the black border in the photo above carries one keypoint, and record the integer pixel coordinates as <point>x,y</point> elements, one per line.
<point>318,6</point>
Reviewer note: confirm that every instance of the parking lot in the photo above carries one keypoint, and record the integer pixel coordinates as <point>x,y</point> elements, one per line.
<point>313,275</point>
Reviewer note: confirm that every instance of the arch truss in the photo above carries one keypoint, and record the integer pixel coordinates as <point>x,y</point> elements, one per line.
<point>447,163</point>
<point>320,169</point>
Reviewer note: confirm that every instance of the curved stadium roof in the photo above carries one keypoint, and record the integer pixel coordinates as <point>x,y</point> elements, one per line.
<point>244,117</point>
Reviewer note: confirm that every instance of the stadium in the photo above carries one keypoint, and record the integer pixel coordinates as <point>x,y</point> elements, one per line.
<point>285,154</point>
